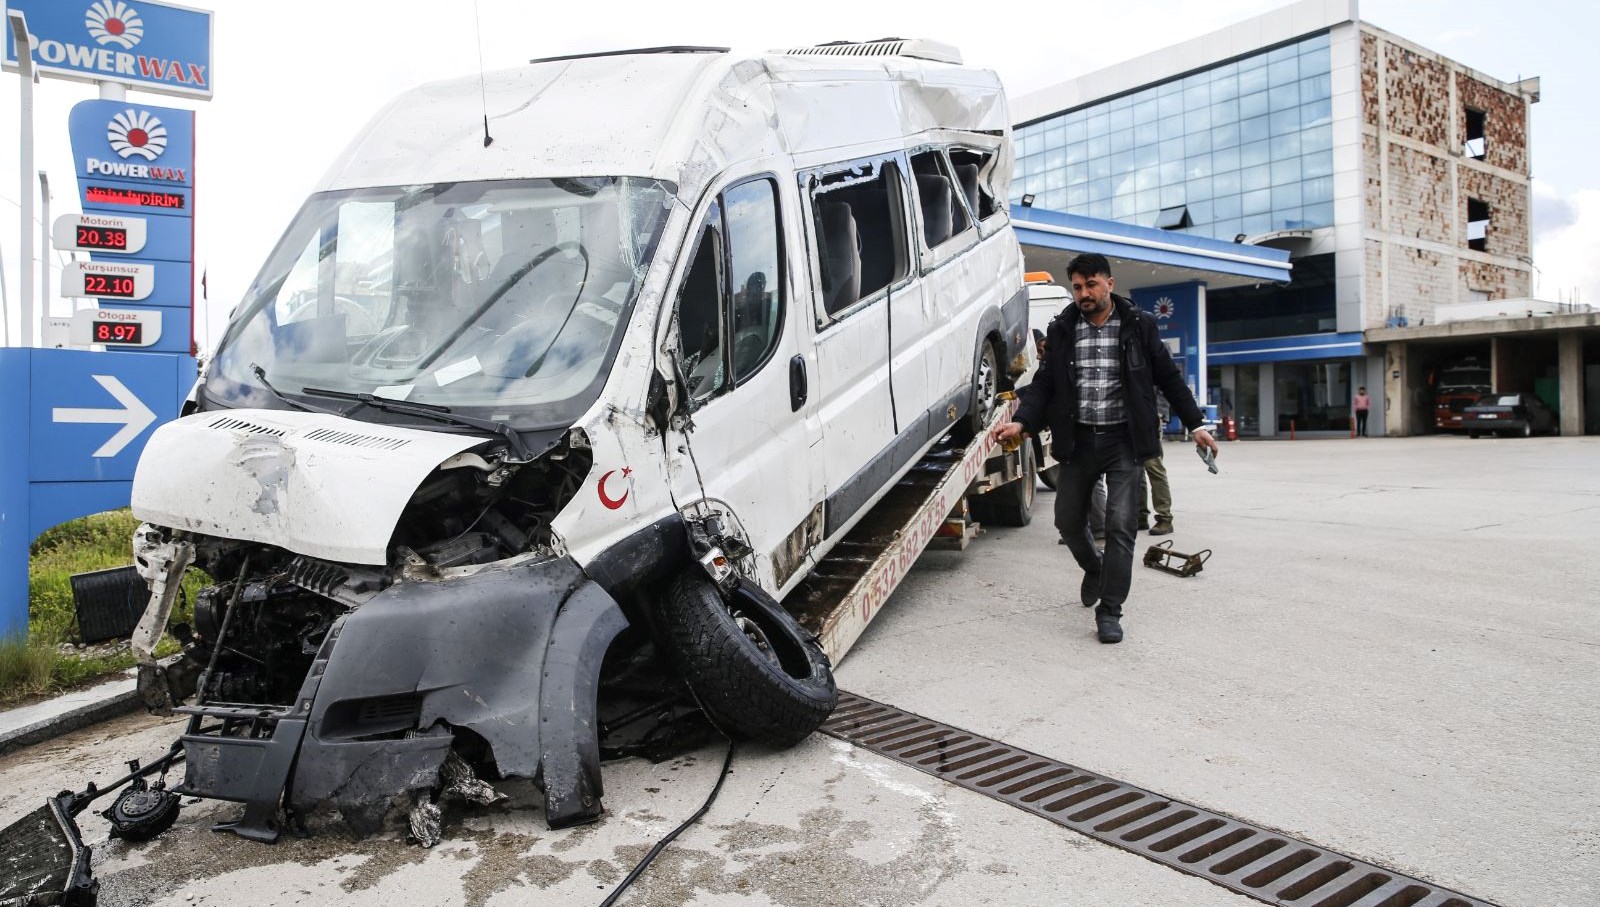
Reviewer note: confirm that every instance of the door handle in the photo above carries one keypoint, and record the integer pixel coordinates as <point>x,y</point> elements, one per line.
<point>797,383</point>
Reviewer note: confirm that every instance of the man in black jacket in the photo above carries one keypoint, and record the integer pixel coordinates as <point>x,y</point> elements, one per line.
<point>1097,394</point>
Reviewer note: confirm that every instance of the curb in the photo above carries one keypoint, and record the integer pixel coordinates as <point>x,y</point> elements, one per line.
<point>43,721</point>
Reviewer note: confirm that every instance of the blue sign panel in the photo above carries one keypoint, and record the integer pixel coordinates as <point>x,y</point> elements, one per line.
<point>1177,312</point>
<point>74,425</point>
<point>152,46</point>
<point>93,412</point>
<point>115,142</point>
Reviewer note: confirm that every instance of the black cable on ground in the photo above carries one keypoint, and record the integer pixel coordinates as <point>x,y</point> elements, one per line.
<point>662,844</point>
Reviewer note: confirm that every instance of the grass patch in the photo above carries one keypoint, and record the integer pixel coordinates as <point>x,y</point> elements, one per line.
<point>37,666</point>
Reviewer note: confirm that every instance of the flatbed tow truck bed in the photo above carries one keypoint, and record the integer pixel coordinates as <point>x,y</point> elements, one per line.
<point>927,506</point>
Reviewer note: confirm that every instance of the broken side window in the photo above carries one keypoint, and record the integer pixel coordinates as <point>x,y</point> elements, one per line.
<point>972,173</point>
<point>1477,224</point>
<point>1477,143</point>
<point>700,330</point>
<point>859,218</point>
<point>944,208</point>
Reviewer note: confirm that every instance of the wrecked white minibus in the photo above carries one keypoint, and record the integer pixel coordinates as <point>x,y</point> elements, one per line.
<point>553,389</point>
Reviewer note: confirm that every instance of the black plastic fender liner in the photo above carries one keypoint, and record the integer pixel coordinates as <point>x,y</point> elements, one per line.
<point>569,738</point>
<point>512,653</point>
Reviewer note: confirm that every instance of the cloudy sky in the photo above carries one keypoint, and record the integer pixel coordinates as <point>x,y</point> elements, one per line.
<point>295,79</point>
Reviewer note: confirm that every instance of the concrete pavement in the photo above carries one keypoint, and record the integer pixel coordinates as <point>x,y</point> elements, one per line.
<point>1391,653</point>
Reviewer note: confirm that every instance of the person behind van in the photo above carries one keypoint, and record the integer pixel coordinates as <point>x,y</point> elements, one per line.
<point>1097,394</point>
<point>1155,492</point>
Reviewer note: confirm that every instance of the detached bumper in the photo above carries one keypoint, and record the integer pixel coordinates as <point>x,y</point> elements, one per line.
<point>512,654</point>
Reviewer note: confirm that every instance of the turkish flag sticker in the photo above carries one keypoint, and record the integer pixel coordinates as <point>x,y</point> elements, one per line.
<point>612,503</point>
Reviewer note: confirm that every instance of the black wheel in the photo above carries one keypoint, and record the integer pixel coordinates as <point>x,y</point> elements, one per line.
<point>1010,504</point>
<point>1527,429</point>
<point>1473,435</point>
<point>757,674</point>
<point>985,395</point>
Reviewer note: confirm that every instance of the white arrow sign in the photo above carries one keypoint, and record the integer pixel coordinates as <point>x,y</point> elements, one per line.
<point>134,416</point>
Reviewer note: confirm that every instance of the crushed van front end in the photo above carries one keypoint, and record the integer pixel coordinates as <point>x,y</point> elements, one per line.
<point>501,664</point>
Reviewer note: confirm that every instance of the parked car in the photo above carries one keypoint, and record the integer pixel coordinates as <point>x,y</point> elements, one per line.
<point>1510,415</point>
<point>630,356</point>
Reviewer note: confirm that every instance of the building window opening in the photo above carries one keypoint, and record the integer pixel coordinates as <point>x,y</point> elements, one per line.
<point>1477,143</point>
<point>1477,225</point>
<point>1174,218</point>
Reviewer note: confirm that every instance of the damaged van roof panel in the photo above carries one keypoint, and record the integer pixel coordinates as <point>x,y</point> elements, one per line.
<point>301,481</point>
<point>675,117</point>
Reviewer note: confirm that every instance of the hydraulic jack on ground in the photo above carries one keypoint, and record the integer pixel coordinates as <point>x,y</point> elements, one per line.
<point>1162,557</point>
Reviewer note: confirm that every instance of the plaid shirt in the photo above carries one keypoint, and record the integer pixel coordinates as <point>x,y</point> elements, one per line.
<point>1099,372</point>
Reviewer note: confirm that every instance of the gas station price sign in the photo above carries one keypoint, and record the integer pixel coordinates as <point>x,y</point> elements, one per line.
<point>116,328</point>
<point>115,286</point>
<point>108,280</point>
<point>99,233</point>
<point>117,332</point>
<point>106,239</point>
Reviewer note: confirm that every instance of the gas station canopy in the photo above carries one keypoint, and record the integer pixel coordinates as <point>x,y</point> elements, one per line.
<point>1143,256</point>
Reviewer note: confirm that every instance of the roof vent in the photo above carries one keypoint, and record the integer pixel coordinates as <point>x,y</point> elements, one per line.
<point>917,48</point>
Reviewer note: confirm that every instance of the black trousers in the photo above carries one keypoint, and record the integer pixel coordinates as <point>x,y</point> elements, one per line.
<point>1107,453</point>
<point>1361,422</point>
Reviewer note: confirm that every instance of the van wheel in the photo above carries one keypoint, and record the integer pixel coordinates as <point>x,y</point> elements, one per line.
<point>985,395</point>
<point>757,674</point>
<point>1010,504</point>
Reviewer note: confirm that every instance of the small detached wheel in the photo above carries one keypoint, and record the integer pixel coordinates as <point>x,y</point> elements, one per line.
<point>754,670</point>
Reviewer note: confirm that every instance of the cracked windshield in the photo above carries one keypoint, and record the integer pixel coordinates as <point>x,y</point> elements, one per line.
<point>505,295</point>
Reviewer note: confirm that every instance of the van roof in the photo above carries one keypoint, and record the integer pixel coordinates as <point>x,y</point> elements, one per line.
<point>681,117</point>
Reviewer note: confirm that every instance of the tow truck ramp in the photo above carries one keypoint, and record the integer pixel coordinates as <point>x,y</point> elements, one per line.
<point>850,585</point>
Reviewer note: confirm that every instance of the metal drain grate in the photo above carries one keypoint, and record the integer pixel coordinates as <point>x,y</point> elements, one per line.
<point>1253,861</point>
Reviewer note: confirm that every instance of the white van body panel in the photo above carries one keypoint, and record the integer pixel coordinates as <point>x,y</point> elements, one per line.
<point>310,483</point>
<point>700,121</point>
<point>676,117</point>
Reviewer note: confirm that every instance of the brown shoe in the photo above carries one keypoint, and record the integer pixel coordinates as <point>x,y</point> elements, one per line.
<point>1162,527</point>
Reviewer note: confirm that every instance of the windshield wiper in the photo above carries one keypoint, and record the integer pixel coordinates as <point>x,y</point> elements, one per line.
<point>430,411</point>
<point>261,375</point>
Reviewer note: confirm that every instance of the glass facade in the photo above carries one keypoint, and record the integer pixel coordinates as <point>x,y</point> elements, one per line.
<point>1244,147</point>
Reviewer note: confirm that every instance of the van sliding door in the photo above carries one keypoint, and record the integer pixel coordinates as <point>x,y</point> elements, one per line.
<point>861,270</point>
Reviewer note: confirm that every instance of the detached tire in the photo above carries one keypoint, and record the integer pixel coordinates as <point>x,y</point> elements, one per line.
<point>1010,504</point>
<point>755,671</point>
